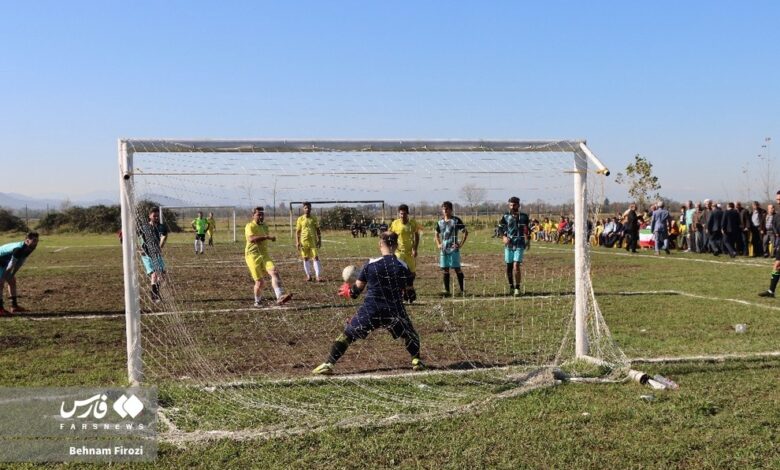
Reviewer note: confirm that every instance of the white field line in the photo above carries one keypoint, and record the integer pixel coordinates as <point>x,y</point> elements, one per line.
<point>366,376</point>
<point>287,307</point>
<point>703,297</point>
<point>421,304</point>
<point>530,382</point>
<point>706,358</point>
<point>60,249</point>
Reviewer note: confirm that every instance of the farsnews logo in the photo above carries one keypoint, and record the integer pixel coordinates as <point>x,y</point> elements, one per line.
<point>96,407</point>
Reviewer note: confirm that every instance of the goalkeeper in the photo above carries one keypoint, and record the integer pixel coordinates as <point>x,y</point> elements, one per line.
<point>386,279</point>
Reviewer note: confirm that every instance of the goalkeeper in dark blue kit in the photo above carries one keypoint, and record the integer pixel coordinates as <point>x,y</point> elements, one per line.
<point>386,278</point>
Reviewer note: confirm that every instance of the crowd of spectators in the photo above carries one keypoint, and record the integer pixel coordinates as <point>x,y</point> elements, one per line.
<point>704,227</point>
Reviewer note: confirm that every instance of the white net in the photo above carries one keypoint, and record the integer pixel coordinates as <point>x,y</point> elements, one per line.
<point>225,367</point>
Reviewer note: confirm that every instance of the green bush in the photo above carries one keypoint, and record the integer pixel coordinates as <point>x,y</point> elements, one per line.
<point>9,222</point>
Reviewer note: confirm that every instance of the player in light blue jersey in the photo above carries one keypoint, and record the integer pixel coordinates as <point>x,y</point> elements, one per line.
<point>447,230</point>
<point>513,227</point>
<point>12,257</point>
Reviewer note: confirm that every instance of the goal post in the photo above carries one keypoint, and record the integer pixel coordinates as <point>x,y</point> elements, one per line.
<point>230,209</point>
<point>268,154</point>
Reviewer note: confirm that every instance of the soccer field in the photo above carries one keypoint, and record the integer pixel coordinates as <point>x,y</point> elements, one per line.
<point>461,413</point>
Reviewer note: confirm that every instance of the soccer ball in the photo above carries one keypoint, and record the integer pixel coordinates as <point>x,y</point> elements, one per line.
<point>349,274</point>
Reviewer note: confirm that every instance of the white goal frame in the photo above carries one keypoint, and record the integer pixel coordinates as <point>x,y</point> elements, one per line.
<point>128,147</point>
<point>200,208</point>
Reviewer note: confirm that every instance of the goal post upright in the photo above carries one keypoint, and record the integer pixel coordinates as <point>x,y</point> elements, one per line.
<point>128,147</point>
<point>131,290</point>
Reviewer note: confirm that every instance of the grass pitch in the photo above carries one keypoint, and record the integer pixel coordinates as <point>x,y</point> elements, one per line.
<point>725,415</point>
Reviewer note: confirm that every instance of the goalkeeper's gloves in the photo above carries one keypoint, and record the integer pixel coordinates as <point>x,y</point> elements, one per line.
<point>349,292</point>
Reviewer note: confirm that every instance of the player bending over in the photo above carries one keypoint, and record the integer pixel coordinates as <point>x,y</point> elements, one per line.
<point>12,257</point>
<point>258,261</point>
<point>386,277</point>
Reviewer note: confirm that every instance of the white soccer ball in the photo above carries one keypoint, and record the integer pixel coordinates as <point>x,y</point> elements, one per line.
<point>349,274</point>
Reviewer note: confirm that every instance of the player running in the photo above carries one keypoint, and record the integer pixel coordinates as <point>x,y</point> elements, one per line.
<point>258,261</point>
<point>386,278</point>
<point>513,227</point>
<point>408,231</point>
<point>446,238</point>
<point>308,240</point>
<point>12,257</point>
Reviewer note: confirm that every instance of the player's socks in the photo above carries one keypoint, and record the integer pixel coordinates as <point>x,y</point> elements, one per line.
<point>156,292</point>
<point>447,282</point>
<point>317,268</point>
<point>14,303</point>
<point>775,279</point>
<point>306,269</point>
<point>510,275</point>
<point>278,292</point>
<point>338,348</point>
<point>461,279</point>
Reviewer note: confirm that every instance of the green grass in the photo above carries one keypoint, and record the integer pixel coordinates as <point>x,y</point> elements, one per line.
<point>725,415</point>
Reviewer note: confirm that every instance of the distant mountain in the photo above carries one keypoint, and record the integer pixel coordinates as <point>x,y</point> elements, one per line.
<point>55,201</point>
<point>20,201</point>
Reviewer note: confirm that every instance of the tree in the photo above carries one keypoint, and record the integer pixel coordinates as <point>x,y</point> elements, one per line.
<point>473,195</point>
<point>642,185</point>
<point>10,222</point>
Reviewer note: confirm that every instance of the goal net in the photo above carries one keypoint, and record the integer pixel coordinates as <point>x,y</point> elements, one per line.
<point>228,368</point>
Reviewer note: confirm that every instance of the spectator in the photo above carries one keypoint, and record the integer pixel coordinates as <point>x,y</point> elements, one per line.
<point>732,231</point>
<point>770,237</point>
<point>631,224</point>
<point>757,229</point>
<point>715,229</point>
<point>659,224</point>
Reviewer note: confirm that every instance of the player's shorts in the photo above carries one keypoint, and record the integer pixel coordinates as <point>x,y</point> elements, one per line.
<point>200,236</point>
<point>407,258</point>
<point>152,265</point>
<point>308,251</point>
<point>513,255</point>
<point>258,265</point>
<point>449,260</point>
<point>370,317</point>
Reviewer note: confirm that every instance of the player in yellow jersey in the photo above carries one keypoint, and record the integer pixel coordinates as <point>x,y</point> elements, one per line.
<point>408,231</point>
<point>211,228</point>
<point>257,259</point>
<point>308,240</point>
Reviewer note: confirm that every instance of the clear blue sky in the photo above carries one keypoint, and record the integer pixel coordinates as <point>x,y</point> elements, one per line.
<point>692,85</point>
